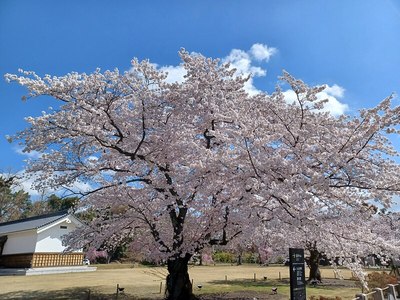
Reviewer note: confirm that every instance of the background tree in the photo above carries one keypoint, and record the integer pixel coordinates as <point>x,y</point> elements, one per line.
<point>178,167</point>
<point>52,204</point>
<point>56,203</point>
<point>37,208</point>
<point>14,204</point>
<point>309,166</point>
<point>344,239</point>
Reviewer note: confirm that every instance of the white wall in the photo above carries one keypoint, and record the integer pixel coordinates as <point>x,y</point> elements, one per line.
<point>50,240</point>
<point>20,242</point>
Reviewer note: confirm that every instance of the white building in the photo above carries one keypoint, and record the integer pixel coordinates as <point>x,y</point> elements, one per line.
<point>37,242</point>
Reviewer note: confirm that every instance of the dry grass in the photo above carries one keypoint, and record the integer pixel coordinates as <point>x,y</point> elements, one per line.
<point>144,282</point>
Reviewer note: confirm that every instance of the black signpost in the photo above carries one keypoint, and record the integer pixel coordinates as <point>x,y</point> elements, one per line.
<point>297,274</point>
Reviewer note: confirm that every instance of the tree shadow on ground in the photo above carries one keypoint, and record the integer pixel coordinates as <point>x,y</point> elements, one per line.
<point>249,283</point>
<point>248,289</point>
<point>326,283</point>
<point>80,293</point>
<point>265,289</point>
<point>243,295</point>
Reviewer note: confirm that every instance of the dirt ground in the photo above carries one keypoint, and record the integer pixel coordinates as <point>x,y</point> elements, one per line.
<point>145,282</point>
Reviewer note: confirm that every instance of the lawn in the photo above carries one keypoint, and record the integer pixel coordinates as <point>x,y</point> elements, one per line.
<point>146,282</point>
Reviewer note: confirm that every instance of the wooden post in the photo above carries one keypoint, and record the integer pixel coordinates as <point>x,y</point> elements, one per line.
<point>361,296</point>
<point>160,287</point>
<point>392,291</point>
<point>226,278</point>
<point>280,277</point>
<point>378,295</point>
<point>254,277</point>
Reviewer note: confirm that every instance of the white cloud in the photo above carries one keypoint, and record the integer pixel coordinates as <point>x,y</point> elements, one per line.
<point>21,182</point>
<point>80,186</point>
<point>335,90</point>
<point>249,63</point>
<point>26,181</point>
<point>331,93</point>
<point>175,73</point>
<point>250,88</point>
<point>290,96</point>
<point>262,52</point>
<point>243,62</point>
<point>31,154</point>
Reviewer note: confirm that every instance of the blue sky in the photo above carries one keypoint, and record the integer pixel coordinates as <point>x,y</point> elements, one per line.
<point>352,46</point>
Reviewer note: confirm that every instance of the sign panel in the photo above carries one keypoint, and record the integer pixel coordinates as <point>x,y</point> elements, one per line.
<point>297,274</point>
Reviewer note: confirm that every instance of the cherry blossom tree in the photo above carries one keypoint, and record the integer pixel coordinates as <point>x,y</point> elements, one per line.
<point>312,171</point>
<point>304,160</point>
<point>344,239</point>
<point>177,167</point>
<point>162,158</point>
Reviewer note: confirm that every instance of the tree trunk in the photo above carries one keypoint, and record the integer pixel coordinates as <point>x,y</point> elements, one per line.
<point>179,286</point>
<point>315,273</point>
<point>239,259</point>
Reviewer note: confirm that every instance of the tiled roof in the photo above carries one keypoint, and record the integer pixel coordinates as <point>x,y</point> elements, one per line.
<point>31,223</point>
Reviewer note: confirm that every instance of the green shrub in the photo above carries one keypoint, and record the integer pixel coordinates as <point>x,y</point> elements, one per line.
<point>149,263</point>
<point>224,257</point>
<point>249,258</point>
<point>279,260</point>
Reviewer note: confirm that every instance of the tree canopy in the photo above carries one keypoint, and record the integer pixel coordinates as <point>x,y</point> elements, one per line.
<point>186,165</point>
<point>14,204</point>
